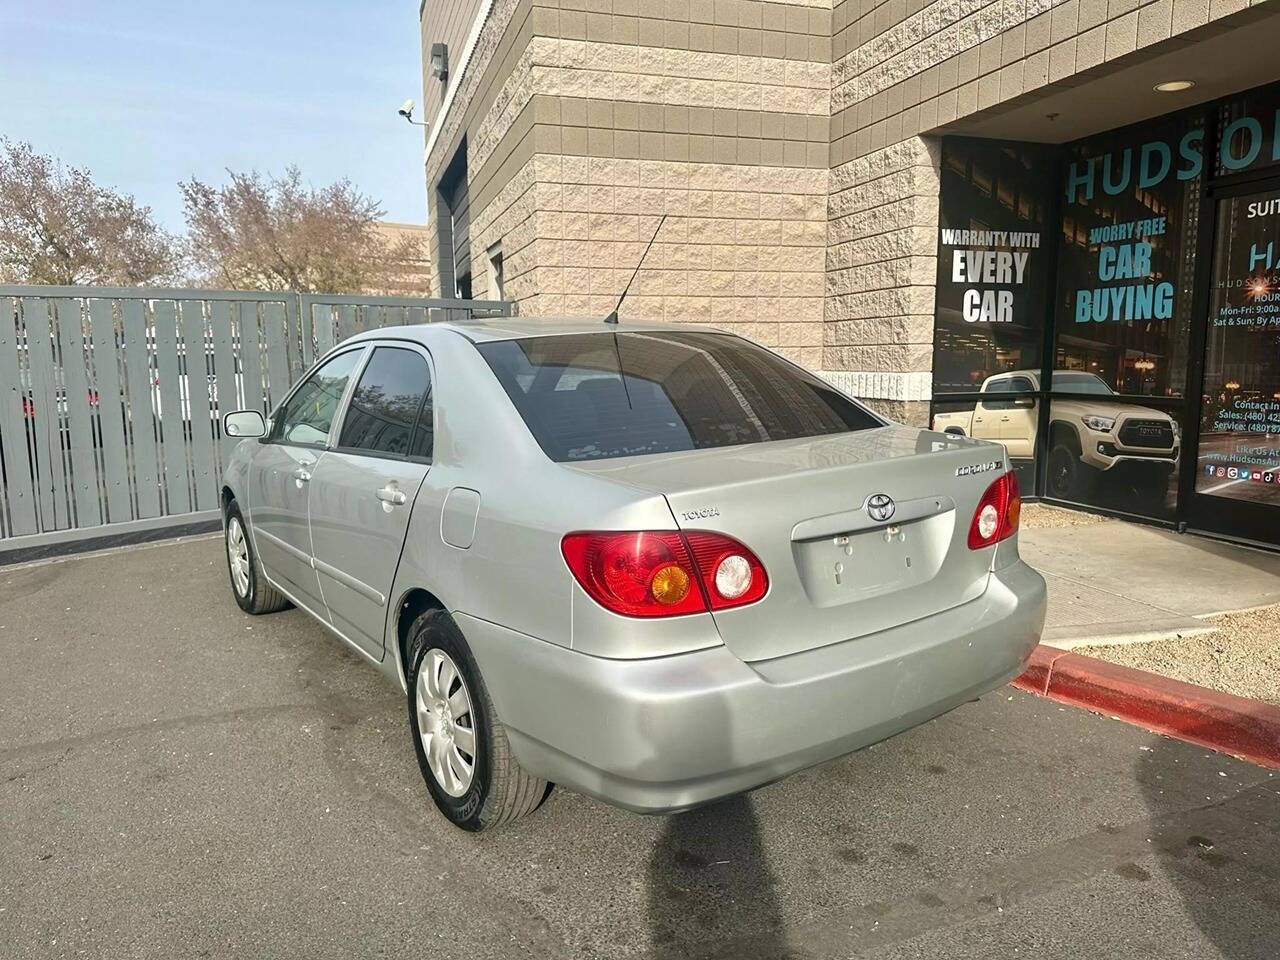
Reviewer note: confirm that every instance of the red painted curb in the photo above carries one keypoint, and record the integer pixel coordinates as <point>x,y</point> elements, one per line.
<point>1220,721</point>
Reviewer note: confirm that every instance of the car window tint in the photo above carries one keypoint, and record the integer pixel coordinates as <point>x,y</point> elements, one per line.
<point>1005,385</point>
<point>307,415</point>
<point>1081,383</point>
<point>597,395</point>
<point>388,404</point>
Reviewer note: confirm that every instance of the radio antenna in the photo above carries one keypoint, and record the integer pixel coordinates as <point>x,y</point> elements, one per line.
<point>613,317</point>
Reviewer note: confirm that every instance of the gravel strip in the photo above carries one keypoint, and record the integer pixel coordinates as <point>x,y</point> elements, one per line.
<point>1243,657</point>
<point>1039,516</point>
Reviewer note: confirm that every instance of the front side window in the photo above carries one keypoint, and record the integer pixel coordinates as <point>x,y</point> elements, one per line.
<point>1009,385</point>
<point>599,395</point>
<point>390,410</point>
<point>307,416</point>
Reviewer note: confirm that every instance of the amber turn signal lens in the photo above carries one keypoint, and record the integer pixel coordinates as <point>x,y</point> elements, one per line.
<point>670,584</point>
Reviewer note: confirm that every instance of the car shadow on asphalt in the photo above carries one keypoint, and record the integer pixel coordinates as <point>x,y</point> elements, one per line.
<point>1216,838</point>
<point>710,886</point>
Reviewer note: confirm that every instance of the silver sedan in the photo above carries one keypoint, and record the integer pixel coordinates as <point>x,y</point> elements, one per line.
<point>655,564</point>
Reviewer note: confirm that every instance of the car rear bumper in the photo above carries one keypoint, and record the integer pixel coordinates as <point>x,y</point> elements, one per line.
<point>674,732</point>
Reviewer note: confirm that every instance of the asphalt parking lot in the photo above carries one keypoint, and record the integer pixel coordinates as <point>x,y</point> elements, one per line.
<point>180,779</point>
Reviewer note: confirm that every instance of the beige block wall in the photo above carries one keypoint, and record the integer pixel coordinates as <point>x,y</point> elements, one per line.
<point>448,22</point>
<point>614,112</point>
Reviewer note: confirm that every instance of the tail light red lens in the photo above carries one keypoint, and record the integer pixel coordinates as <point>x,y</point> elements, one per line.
<point>664,573</point>
<point>998,512</point>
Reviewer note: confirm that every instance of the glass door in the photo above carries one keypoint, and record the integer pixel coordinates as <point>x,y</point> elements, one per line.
<point>1237,456</point>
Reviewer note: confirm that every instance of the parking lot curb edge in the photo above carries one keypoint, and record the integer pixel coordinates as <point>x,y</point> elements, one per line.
<point>1221,721</point>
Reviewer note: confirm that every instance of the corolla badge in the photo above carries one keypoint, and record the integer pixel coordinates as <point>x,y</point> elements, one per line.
<point>880,506</point>
<point>969,469</point>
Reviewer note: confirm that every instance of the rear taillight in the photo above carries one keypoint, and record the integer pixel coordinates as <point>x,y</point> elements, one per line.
<point>997,515</point>
<point>731,574</point>
<point>664,573</point>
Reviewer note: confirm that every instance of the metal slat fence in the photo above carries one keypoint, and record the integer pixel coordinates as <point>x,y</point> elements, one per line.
<point>111,398</point>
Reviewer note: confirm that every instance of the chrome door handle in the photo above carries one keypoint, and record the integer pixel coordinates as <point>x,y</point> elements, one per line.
<point>301,475</point>
<point>389,494</point>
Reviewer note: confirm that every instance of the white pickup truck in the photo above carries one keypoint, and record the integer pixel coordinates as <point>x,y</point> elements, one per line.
<point>1086,437</point>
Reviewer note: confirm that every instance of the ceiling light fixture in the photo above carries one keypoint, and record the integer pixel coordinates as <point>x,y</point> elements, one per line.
<point>1174,86</point>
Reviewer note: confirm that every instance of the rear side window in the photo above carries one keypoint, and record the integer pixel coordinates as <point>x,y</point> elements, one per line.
<point>390,409</point>
<point>598,395</point>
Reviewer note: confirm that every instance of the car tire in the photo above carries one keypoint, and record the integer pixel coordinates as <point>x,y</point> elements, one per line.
<point>447,695</point>
<point>1153,484</point>
<point>250,588</point>
<point>1068,476</point>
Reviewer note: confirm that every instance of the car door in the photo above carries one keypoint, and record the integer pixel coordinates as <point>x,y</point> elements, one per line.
<point>986,413</point>
<point>280,474</point>
<point>363,490</point>
<point>1018,419</point>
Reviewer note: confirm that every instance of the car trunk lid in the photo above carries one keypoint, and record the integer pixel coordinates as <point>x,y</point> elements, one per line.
<point>836,571</point>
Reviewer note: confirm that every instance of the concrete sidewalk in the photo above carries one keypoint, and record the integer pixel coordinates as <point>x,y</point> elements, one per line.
<point>1116,582</point>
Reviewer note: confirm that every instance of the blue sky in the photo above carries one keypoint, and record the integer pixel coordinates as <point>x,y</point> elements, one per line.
<point>147,93</point>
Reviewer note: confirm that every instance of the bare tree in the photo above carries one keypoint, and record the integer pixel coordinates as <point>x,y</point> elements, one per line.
<point>276,233</point>
<point>58,226</point>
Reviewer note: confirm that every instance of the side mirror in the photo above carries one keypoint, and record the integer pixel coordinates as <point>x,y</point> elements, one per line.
<point>1026,403</point>
<point>244,423</point>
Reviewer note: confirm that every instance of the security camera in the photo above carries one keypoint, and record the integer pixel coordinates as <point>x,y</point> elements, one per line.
<point>406,110</point>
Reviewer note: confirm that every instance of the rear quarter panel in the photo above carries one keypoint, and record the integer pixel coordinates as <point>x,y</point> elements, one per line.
<point>513,573</point>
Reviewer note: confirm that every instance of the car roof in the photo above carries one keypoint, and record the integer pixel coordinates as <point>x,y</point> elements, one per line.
<point>517,328</point>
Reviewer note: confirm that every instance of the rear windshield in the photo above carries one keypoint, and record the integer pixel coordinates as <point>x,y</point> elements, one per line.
<point>591,396</point>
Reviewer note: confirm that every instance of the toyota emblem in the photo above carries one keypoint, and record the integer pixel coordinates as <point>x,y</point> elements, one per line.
<point>880,506</point>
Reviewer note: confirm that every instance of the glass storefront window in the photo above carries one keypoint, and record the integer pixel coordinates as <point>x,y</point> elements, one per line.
<point>1108,453</point>
<point>1112,260</point>
<point>1008,417</point>
<point>994,262</point>
<point>1239,452</point>
<point>1248,132</point>
<point>1126,261</point>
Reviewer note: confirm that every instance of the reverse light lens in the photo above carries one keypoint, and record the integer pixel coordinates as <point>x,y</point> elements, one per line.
<point>988,521</point>
<point>998,513</point>
<point>664,573</point>
<point>733,576</point>
<point>720,562</point>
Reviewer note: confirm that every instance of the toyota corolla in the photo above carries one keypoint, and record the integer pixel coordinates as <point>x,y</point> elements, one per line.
<point>655,564</point>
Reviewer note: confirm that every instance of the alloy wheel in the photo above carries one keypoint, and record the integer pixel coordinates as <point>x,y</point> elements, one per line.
<point>1061,472</point>
<point>238,557</point>
<point>446,722</point>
